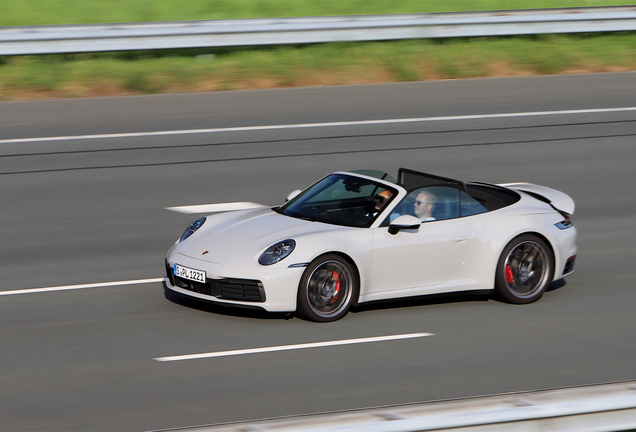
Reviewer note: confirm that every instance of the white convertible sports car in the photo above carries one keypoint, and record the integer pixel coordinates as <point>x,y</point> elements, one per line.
<point>360,236</point>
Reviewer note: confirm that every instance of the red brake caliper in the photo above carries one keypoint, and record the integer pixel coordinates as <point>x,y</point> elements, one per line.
<point>336,291</point>
<point>509,276</point>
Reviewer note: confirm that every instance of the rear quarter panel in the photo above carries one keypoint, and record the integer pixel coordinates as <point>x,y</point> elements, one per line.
<point>494,230</point>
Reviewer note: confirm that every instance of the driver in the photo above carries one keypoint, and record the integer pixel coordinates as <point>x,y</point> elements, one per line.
<point>424,205</point>
<point>380,201</point>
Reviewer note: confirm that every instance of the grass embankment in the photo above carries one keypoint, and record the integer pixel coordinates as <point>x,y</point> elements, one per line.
<point>327,64</point>
<point>294,66</point>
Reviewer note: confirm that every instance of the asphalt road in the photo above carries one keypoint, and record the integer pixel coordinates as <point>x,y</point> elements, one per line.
<point>93,210</point>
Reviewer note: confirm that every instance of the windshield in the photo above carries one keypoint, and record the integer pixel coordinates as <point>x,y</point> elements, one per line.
<point>342,200</point>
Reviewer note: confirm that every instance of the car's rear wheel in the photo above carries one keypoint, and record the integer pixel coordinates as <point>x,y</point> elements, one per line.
<point>327,288</point>
<point>525,269</point>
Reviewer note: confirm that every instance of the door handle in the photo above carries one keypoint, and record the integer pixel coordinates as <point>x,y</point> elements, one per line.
<point>459,239</point>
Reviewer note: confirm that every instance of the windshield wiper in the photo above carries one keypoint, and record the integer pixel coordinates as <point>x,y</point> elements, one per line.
<point>307,218</point>
<point>296,215</point>
<point>304,217</point>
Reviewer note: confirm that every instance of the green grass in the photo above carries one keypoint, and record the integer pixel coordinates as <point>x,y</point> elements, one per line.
<point>41,12</point>
<point>320,64</point>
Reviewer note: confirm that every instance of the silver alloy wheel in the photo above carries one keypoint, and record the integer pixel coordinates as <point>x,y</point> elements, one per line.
<point>527,268</point>
<point>329,289</point>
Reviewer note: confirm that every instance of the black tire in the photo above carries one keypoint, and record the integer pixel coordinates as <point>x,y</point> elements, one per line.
<point>323,297</point>
<point>524,270</point>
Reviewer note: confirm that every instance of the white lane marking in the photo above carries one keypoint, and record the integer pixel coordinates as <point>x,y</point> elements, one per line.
<point>292,347</point>
<point>76,287</point>
<point>211,208</point>
<point>316,125</point>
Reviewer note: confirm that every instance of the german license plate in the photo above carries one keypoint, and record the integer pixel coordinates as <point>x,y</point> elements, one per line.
<point>188,273</point>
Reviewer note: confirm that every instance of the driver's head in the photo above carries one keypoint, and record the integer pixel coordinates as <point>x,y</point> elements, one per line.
<point>382,199</point>
<point>424,204</point>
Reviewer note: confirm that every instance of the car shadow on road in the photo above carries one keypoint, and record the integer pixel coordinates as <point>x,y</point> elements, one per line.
<point>556,285</point>
<point>444,298</point>
<point>426,300</point>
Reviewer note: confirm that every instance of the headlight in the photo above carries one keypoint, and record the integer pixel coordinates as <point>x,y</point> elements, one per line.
<point>277,252</point>
<point>192,228</point>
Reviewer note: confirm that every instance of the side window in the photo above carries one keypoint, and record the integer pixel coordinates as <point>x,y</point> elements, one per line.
<point>470,206</point>
<point>483,198</point>
<point>429,204</point>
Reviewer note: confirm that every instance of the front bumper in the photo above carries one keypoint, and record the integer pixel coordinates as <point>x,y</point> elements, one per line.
<point>273,289</point>
<point>229,289</point>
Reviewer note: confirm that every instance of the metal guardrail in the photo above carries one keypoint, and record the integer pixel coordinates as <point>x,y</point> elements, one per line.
<point>24,40</point>
<point>608,407</point>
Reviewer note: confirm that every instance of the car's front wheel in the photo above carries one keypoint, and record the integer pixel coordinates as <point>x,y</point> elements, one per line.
<point>524,270</point>
<point>327,288</point>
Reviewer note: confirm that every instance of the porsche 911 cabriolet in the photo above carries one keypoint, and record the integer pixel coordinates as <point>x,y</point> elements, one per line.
<point>360,236</point>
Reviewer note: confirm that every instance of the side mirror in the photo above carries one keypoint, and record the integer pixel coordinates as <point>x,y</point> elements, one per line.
<point>293,194</point>
<point>404,222</point>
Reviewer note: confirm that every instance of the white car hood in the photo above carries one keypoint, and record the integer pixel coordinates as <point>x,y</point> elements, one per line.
<point>228,236</point>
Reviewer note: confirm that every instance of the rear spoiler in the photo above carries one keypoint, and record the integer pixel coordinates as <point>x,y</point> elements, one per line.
<point>555,198</point>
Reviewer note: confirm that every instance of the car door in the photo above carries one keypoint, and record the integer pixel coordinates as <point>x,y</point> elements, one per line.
<point>418,258</point>
<point>427,256</point>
